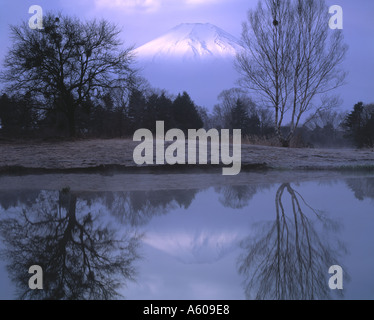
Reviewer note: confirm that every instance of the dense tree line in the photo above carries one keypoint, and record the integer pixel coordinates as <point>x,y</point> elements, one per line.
<point>359,125</point>
<point>236,110</point>
<point>107,118</point>
<point>120,115</point>
<point>182,113</point>
<point>323,129</point>
<point>17,115</point>
<point>331,128</point>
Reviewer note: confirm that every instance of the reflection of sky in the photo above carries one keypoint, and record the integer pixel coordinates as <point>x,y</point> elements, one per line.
<point>193,253</point>
<point>6,288</point>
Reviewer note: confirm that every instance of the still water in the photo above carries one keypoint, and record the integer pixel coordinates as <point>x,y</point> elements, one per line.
<point>250,241</point>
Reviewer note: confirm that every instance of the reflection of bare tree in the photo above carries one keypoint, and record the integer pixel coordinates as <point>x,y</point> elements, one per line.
<point>289,259</point>
<point>236,197</point>
<point>81,254</point>
<point>362,188</point>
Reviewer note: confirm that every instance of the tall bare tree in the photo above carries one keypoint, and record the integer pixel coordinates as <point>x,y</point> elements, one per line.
<point>67,63</point>
<point>291,57</point>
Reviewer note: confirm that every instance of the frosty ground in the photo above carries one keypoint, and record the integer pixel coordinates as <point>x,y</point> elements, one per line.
<point>86,154</point>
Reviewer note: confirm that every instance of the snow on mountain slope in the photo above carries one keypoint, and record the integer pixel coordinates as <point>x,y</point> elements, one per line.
<point>193,57</point>
<point>191,41</point>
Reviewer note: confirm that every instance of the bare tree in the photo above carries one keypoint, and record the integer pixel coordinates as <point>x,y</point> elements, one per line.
<point>222,112</point>
<point>323,118</point>
<point>67,63</point>
<point>291,58</point>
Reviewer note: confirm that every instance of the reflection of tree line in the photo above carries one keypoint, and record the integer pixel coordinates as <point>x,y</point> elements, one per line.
<point>145,204</point>
<point>86,254</point>
<point>362,188</point>
<point>136,208</point>
<point>238,197</point>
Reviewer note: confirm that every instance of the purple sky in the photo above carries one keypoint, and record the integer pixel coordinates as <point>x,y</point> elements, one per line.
<point>144,20</point>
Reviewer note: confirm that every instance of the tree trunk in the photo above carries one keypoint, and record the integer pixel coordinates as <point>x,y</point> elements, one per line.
<point>285,143</point>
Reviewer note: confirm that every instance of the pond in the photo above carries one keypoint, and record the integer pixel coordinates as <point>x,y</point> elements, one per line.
<point>268,238</point>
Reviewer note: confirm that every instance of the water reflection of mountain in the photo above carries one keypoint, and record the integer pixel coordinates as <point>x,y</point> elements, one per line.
<point>362,188</point>
<point>288,258</point>
<point>83,254</point>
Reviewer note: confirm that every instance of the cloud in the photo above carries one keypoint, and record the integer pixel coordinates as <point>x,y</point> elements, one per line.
<point>151,5</point>
<point>131,5</point>
<point>201,2</point>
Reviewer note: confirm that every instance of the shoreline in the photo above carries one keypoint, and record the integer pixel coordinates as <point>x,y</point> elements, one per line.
<point>175,169</point>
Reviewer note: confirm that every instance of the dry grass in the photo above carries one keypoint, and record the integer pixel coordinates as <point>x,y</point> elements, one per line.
<point>119,152</point>
<point>273,141</point>
<point>261,141</point>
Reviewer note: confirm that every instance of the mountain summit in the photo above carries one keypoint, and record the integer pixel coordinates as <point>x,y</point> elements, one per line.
<point>191,41</point>
<point>193,57</point>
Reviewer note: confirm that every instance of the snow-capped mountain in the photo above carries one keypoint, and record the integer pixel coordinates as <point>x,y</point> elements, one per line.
<point>194,57</point>
<point>191,41</point>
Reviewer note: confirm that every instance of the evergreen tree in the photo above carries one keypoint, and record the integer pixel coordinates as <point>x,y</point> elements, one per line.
<point>239,117</point>
<point>164,111</point>
<point>136,110</point>
<point>359,125</point>
<point>185,113</point>
<point>17,114</point>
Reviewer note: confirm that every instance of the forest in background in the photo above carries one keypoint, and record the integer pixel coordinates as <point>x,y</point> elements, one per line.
<point>20,118</point>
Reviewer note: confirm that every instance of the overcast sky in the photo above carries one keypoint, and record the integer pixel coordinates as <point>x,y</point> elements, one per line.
<point>144,20</point>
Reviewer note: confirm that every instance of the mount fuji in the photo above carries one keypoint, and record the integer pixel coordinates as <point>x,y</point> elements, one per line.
<point>191,41</point>
<point>193,57</point>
